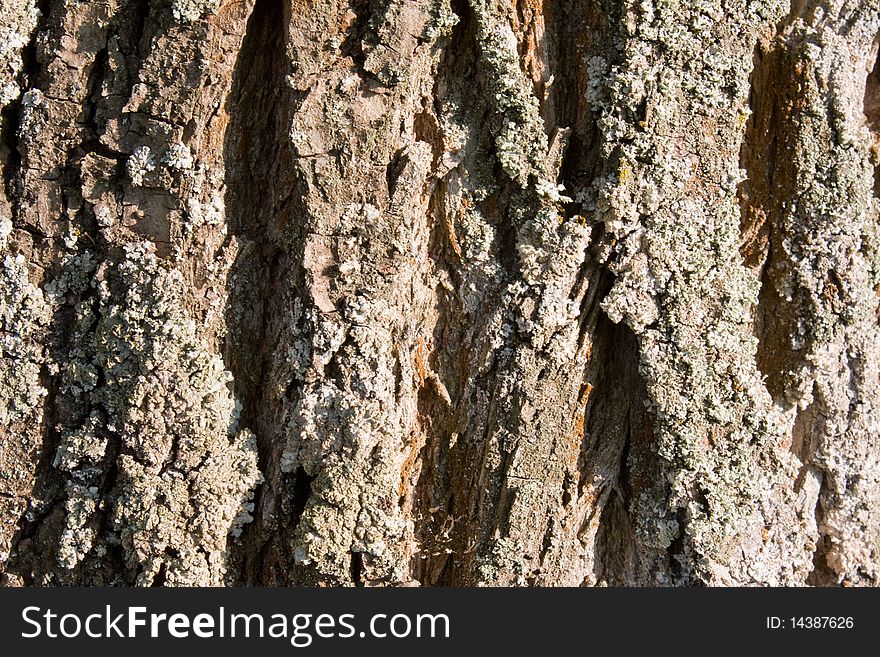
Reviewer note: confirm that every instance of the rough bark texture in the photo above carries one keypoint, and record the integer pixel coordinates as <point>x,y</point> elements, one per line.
<point>480,292</point>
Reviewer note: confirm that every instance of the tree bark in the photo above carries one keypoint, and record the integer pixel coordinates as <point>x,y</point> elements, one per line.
<point>419,292</point>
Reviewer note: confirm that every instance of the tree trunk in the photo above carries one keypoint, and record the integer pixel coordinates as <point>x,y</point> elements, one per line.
<point>399,292</point>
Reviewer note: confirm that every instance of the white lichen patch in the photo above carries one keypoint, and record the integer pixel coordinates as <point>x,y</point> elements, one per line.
<point>187,11</point>
<point>33,113</point>
<point>139,164</point>
<point>210,213</point>
<point>502,562</point>
<point>178,157</point>
<point>633,297</point>
<point>25,315</point>
<point>5,231</point>
<point>354,447</point>
<point>103,216</point>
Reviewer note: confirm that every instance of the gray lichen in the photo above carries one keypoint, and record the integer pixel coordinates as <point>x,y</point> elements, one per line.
<point>187,11</point>
<point>189,471</point>
<point>24,314</point>
<point>140,164</point>
<point>691,304</point>
<point>520,139</point>
<point>19,20</point>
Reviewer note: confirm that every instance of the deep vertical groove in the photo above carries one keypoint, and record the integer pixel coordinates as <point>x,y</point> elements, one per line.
<point>262,211</point>
<point>765,156</point>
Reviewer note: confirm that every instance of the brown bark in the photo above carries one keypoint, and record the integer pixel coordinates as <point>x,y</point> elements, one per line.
<point>480,292</point>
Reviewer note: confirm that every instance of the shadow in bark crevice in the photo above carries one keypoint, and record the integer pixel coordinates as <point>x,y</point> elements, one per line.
<point>444,476</point>
<point>766,156</point>
<point>464,485</point>
<point>263,206</point>
<point>578,28</point>
<point>617,460</point>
